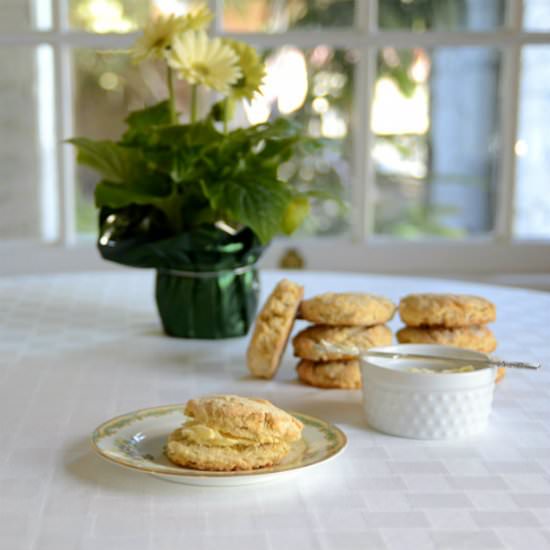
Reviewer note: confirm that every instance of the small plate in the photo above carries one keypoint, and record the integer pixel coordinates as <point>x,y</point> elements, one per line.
<point>136,440</point>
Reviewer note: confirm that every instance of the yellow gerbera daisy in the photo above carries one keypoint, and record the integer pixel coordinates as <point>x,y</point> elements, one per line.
<point>197,19</point>
<point>159,32</point>
<point>252,68</point>
<point>157,36</point>
<point>201,60</point>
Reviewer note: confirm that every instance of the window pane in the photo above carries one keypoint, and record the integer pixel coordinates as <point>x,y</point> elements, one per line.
<point>108,86</point>
<point>536,15</point>
<point>24,15</point>
<point>120,16</point>
<point>421,15</point>
<point>27,156</point>
<point>279,16</point>
<point>435,120</point>
<point>320,98</point>
<point>532,214</point>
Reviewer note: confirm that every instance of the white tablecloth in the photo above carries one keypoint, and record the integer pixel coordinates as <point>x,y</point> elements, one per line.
<point>76,350</point>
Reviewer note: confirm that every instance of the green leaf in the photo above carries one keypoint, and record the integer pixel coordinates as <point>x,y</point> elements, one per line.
<point>155,115</point>
<point>148,190</point>
<point>115,163</point>
<point>295,213</point>
<point>259,204</point>
<point>278,129</point>
<point>180,136</point>
<point>278,151</point>
<point>194,173</point>
<point>140,123</point>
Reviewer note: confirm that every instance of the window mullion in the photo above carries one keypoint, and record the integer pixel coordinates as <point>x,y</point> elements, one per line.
<point>366,180</point>
<point>510,85</point>
<point>66,167</point>
<point>47,188</point>
<point>514,15</point>
<point>340,38</point>
<point>359,131</point>
<point>371,8</point>
<point>359,192</point>
<point>57,102</point>
<point>216,7</point>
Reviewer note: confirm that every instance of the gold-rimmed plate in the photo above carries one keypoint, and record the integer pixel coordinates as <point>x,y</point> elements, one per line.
<point>136,440</point>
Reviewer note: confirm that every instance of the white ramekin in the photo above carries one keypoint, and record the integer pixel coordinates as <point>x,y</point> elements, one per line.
<point>426,406</point>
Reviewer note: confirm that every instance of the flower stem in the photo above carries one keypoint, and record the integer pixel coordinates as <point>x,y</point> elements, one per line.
<point>171,97</point>
<point>225,115</point>
<point>193,103</point>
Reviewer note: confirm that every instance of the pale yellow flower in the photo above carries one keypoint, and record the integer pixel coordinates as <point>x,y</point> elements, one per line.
<point>252,68</point>
<point>159,32</point>
<point>198,19</point>
<point>156,38</point>
<point>201,60</point>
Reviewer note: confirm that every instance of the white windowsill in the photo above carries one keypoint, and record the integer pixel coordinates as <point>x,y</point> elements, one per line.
<point>525,265</point>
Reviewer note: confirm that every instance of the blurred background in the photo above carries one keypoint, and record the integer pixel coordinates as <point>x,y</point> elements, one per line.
<point>436,113</point>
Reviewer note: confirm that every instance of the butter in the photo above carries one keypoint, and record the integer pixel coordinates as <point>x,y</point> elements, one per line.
<point>424,370</point>
<point>201,434</point>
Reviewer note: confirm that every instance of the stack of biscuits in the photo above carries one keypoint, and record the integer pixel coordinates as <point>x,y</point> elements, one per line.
<point>341,320</point>
<point>448,319</point>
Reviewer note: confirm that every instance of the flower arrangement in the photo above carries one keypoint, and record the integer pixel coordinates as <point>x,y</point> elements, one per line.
<point>199,172</point>
<point>193,199</point>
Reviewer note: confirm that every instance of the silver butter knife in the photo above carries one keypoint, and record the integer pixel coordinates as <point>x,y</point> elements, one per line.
<point>489,362</point>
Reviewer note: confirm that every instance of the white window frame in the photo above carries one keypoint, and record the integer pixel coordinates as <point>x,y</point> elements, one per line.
<point>498,252</point>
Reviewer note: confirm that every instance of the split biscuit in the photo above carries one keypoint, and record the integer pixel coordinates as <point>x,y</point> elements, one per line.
<point>254,419</point>
<point>198,456</point>
<point>229,432</point>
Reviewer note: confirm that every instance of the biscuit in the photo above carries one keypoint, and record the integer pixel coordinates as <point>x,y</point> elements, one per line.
<point>334,374</point>
<point>222,458</point>
<point>342,308</point>
<point>243,417</point>
<point>477,338</point>
<point>307,343</point>
<point>445,310</point>
<point>272,329</point>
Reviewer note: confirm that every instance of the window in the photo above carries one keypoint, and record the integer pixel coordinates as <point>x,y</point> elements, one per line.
<point>435,112</point>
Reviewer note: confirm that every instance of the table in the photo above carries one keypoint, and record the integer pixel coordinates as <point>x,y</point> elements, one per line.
<point>78,349</point>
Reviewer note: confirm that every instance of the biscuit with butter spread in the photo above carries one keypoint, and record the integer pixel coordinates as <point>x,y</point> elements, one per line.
<point>245,417</point>
<point>221,452</point>
<point>311,343</point>
<point>229,432</point>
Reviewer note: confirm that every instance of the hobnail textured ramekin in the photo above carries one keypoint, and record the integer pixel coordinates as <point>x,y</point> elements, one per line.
<point>426,406</point>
